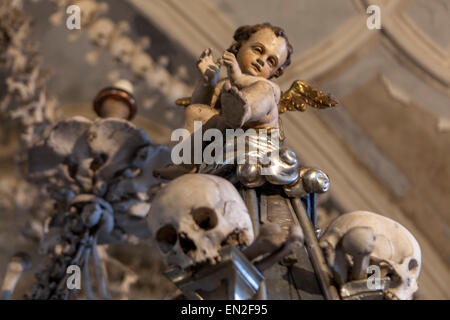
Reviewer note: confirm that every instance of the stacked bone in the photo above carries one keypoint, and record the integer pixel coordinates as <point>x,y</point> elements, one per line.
<point>354,241</point>
<point>99,172</point>
<point>114,38</point>
<point>25,99</point>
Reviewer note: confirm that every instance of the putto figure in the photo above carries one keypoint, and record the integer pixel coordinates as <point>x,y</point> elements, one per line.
<point>246,98</point>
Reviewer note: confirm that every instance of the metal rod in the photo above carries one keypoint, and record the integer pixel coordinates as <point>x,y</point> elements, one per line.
<point>99,274</point>
<point>316,255</point>
<point>86,278</point>
<point>313,197</point>
<point>308,205</point>
<point>251,200</point>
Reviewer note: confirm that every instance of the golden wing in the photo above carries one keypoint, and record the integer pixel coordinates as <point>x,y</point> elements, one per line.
<point>301,94</point>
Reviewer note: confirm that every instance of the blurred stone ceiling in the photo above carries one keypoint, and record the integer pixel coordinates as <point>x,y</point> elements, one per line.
<point>386,148</point>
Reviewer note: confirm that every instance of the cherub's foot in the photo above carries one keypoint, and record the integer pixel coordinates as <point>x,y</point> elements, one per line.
<point>173,171</point>
<point>198,112</point>
<point>234,106</point>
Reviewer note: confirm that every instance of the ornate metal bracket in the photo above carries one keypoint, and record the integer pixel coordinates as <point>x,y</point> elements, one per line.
<point>235,278</point>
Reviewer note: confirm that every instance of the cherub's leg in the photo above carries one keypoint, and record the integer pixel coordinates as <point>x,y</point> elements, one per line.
<point>234,106</point>
<point>198,112</point>
<point>173,171</point>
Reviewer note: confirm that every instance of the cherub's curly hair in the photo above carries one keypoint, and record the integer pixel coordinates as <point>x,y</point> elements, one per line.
<point>243,33</point>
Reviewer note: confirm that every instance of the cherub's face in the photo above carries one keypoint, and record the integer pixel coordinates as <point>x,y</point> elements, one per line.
<point>262,54</point>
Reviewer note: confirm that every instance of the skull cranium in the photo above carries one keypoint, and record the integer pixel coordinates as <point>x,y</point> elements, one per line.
<point>383,241</point>
<point>141,63</point>
<point>122,49</point>
<point>101,32</point>
<point>90,10</point>
<point>194,216</point>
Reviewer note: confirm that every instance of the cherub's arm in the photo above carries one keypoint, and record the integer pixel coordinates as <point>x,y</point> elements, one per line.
<point>209,71</point>
<point>237,78</point>
<point>248,98</point>
<point>250,104</point>
<point>262,98</point>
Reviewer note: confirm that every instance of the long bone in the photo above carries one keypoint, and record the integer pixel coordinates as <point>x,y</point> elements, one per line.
<point>272,243</point>
<point>19,263</point>
<point>359,242</point>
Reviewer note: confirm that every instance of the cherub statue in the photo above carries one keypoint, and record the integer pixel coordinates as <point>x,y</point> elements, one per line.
<point>246,98</point>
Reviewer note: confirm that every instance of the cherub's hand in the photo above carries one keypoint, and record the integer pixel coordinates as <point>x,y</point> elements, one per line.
<point>209,69</point>
<point>234,71</point>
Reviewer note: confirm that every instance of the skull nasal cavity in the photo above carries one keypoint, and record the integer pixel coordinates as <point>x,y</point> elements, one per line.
<point>186,244</point>
<point>205,218</point>
<point>166,237</point>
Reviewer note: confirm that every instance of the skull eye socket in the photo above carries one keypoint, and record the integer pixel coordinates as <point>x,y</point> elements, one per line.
<point>412,265</point>
<point>396,280</point>
<point>166,238</point>
<point>205,218</point>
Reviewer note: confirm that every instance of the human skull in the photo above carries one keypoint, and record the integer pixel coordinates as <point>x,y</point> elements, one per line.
<point>101,32</point>
<point>194,216</point>
<point>90,10</point>
<point>394,249</point>
<point>141,63</point>
<point>159,78</point>
<point>122,49</point>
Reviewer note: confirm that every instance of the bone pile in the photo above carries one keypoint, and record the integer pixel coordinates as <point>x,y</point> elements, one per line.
<point>25,99</point>
<point>107,35</point>
<point>24,109</point>
<point>99,173</point>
